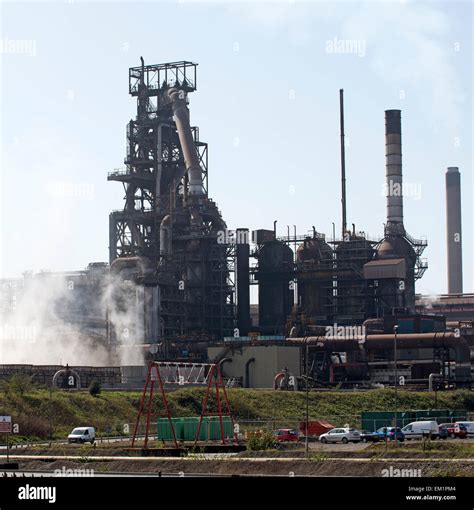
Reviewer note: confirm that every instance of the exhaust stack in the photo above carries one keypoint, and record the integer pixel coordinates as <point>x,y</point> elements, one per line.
<point>181,117</point>
<point>343,164</point>
<point>394,177</point>
<point>453,230</point>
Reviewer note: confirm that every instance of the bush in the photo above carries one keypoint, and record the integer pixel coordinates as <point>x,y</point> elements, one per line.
<point>18,384</point>
<point>94,388</point>
<point>263,441</point>
<point>32,426</point>
<point>465,398</point>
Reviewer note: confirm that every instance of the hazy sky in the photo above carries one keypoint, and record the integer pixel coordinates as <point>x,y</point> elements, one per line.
<point>267,103</point>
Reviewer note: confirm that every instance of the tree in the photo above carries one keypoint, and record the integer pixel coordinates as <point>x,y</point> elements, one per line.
<point>20,384</point>
<point>95,388</point>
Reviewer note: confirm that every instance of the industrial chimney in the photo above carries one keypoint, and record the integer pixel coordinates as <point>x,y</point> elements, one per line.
<point>394,178</point>
<point>453,230</point>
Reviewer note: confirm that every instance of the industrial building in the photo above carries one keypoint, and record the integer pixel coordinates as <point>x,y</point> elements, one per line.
<point>177,283</point>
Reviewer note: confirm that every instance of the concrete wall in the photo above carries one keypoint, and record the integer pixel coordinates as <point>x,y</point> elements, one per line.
<point>269,360</point>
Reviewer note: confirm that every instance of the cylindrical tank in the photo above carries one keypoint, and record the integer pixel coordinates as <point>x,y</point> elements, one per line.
<point>312,256</point>
<point>275,297</point>
<point>392,294</point>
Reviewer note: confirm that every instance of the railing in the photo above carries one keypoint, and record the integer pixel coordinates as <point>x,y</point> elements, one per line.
<point>125,171</point>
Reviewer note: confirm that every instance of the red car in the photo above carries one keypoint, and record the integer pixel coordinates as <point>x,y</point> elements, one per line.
<point>285,435</point>
<point>454,430</point>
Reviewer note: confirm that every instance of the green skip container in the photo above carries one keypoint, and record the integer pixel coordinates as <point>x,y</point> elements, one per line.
<point>186,428</point>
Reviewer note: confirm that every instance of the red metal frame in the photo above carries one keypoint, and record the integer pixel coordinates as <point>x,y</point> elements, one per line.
<point>150,381</point>
<point>215,379</point>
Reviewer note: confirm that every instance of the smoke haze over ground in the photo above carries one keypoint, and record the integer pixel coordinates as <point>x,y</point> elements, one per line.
<point>57,319</point>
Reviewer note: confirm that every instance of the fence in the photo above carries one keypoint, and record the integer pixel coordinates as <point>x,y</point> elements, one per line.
<point>375,420</point>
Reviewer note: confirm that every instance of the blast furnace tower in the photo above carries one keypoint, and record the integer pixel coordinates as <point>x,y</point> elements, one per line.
<point>167,245</point>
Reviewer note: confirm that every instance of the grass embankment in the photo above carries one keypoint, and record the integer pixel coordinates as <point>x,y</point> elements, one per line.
<point>108,412</point>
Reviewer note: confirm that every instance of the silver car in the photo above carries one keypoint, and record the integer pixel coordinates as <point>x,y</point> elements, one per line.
<point>341,435</point>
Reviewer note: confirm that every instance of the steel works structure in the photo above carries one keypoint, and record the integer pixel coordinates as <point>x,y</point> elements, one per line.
<point>169,238</point>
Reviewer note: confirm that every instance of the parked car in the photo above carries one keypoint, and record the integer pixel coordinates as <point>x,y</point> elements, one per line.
<point>443,432</point>
<point>286,435</point>
<point>468,425</point>
<point>366,436</point>
<point>420,429</point>
<point>82,435</point>
<point>343,435</point>
<point>453,431</point>
<point>389,433</point>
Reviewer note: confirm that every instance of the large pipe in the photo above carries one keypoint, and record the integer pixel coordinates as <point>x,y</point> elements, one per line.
<point>447,339</point>
<point>393,165</point>
<point>242,252</point>
<point>343,163</point>
<point>453,230</point>
<point>159,166</point>
<point>181,117</point>
<point>247,372</point>
<point>165,237</point>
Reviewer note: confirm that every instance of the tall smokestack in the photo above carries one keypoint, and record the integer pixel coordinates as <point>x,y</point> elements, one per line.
<point>394,178</point>
<point>343,163</point>
<point>453,230</point>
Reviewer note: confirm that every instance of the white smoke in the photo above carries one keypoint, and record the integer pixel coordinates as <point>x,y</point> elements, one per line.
<point>34,331</point>
<point>50,320</point>
<point>124,302</point>
<point>429,300</point>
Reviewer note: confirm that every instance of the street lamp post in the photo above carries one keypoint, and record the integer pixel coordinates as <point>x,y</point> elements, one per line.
<point>395,331</point>
<point>306,445</point>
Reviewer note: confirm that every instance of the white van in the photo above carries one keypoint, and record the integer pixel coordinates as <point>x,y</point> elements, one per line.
<point>82,435</point>
<point>469,425</point>
<point>420,429</point>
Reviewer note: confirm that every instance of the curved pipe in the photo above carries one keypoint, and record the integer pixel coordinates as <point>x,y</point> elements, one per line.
<point>247,372</point>
<point>165,237</point>
<point>431,378</point>
<point>181,118</point>
<point>67,371</point>
<point>276,379</point>
<point>224,360</point>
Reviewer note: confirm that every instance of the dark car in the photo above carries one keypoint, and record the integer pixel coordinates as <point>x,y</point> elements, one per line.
<point>389,433</point>
<point>366,436</point>
<point>453,430</point>
<point>443,431</point>
<point>285,435</point>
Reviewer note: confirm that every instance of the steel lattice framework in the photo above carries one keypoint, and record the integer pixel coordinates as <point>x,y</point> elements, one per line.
<point>195,285</point>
